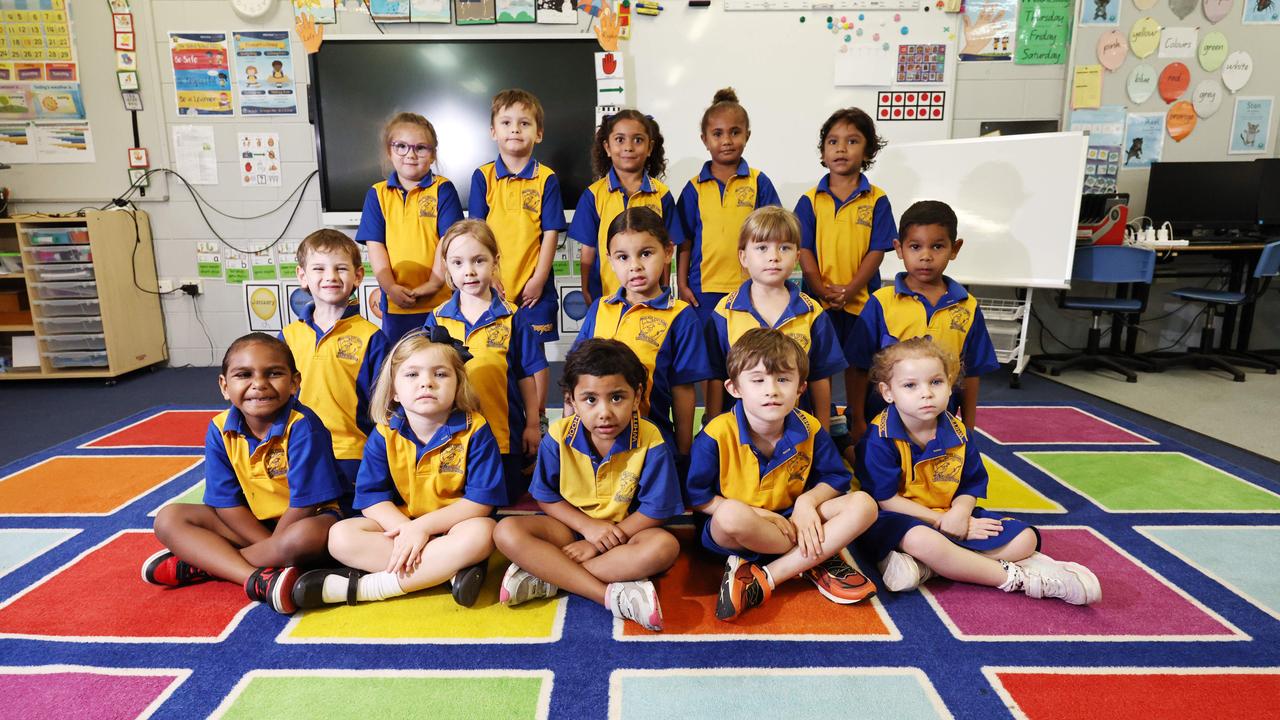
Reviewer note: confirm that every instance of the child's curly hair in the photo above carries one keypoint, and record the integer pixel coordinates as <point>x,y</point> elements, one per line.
<point>865,125</point>
<point>919,347</point>
<point>655,165</point>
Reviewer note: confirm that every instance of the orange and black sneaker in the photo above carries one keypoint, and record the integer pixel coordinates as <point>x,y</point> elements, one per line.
<point>838,579</point>
<point>744,586</point>
<point>273,586</point>
<point>164,568</point>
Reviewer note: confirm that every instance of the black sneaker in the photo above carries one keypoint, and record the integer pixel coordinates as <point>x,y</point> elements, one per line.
<point>273,586</point>
<point>467,582</point>
<point>164,568</point>
<point>308,591</point>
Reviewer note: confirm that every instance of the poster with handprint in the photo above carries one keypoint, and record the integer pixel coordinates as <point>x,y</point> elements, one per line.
<point>1251,126</point>
<point>1100,12</point>
<point>989,27</point>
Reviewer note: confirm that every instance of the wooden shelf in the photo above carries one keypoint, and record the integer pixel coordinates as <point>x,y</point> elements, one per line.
<point>16,328</point>
<point>12,276</point>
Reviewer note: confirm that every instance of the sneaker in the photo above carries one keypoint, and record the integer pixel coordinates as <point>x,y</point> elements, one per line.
<point>308,591</point>
<point>1049,578</point>
<point>743,587</point>
<point>467,581</point>
<point>520,586</point>
<point>839,581</point>
<point>164,568</point>
<point>273,586</point>
<point>636,600</point>
<point>902,572</point>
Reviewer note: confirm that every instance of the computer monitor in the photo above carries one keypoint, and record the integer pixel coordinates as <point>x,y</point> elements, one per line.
<point>1204,198</point>
<point>1269,195</point>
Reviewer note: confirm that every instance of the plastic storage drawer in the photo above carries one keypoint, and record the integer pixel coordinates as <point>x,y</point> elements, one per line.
<point>72,325</point>
<point>63,272</point>
<point>62,343</point>
<point>10,262</point>
<point>77,359</point>
<point>61,254</point>
<point>62,290</point>
<point>58,236</point>
<point>63,308</point>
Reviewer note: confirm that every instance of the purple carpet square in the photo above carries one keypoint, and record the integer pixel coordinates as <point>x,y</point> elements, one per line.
<point>1136,603</point>
<point>53,693</point>
<point>1052,425</point>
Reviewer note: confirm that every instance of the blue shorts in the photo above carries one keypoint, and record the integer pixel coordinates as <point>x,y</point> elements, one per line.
<point>397,326</point>
<point>347,470</point>
<point>844,323</point>
<point>887,531</point>
<point>703,523</point>
<point>517,482</point>
<point>707,302</point>
<point>544,317</point>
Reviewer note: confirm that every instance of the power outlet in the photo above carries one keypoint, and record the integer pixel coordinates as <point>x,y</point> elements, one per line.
<point>164,285</point>
<point>197,282</point>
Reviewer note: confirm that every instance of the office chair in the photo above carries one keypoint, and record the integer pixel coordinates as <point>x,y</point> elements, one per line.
<point>1116,264</point>
<point>1205,357</point>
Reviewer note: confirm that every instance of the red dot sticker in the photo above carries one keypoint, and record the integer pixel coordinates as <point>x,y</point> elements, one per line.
<point>884,112</point>
<point>911,112</point>
<point>884,97</point>
<point>897,112</point>
<point>937,98</point>
<point>911,97</point>
<point>897,98</point>
<point>937,113</point>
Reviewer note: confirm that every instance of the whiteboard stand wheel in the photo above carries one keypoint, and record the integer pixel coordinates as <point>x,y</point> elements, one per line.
<point>1015,381</point>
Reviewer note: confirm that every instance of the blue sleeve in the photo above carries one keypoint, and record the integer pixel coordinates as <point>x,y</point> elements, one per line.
<point>826,357</point>
<point>690,364</point>
<point>484,482</point>
<point>867,338</point>
<point>703,484</point>
<point>671,218</point>
<point>544,486</point>
<point>979,353</point>
<point>478,202</point>
<point>373,481</point>
<point>973,478</point>
<point>717,333</point>
<point>221,487</point>
<point>430,321</point>
<point>766,194</point>
<point>449,209</point>
<point>313,474</point>
<point>586,222</point>
<point>828,467</point>
<point>588,329</point>
<point>879,468</point>
<point>530,357</point>
<point>373,226</point>
<point>808,225</point>
<point>687,209</point>
<point>367,377</point>
<point>659,493</point>
<point>883,229</point>
<point>552,205</point>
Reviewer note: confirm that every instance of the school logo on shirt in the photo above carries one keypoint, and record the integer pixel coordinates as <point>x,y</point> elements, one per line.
<point>277,462</point>
<point>451,458</point>
<point>864,214</point>
<point>652,330</point>
<point>497,336</point>
<point>628,483</point>
<point>530,200</point>
<point>746,197</point>
<point>543,328</point>
<point>797,468</point>
<point>427,206</point>
<point>801,339</point>
<point>349,347</point>
<point>947,469</point>
<point>960,318</point>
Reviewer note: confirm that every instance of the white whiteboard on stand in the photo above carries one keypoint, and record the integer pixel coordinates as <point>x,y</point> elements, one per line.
<point>1017,198</point>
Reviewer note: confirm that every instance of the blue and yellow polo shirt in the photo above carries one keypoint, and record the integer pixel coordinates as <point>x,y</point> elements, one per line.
<point>291,467</point>
<point>638,474</point>
<point>667,337</point>
<point>460,461</point>
<point>410,222</point>
<point>504,350</point>
<point>840,232</point>
<point>339,369</point>
<point>605,200</point>
<point>725,462</point>
<point>711,215</point>
<point>518,207</point>
<point>803,321</point>
<point>890,463</point>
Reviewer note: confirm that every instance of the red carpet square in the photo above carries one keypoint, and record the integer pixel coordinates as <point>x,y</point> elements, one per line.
<point>1127,693</point>
<point>171,428</point>
<point>796,611</point>
<point>101,596</point>
<point>1051,425</point>
<point>87,485</point>
<point>1136,604</point>
<point>54,692</point>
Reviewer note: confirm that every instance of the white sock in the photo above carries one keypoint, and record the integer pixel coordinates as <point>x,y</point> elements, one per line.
<point>335,589</point>
<point>1015,579</point>
<point>378,586</point>
<point>768,576</point>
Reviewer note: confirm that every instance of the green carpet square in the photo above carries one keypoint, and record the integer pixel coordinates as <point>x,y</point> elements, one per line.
<point>1152,482</point>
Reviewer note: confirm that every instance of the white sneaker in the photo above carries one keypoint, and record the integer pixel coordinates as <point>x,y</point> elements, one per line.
<point>902,572</point>
<point>636,600</point>
<point>1049,578</point>
<point>521,586</point>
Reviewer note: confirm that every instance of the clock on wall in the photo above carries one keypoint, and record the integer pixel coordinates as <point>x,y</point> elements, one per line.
<point>253,9</point>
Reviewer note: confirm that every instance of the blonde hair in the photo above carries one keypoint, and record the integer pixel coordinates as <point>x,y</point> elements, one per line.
<point>405,118</point>
<point>778,352</point>
<point>918,347</point>
<point>382,406</point>
<point>328,241</point>
<point>769,224</point>
<point>516,96</point>
<point>477,229</point>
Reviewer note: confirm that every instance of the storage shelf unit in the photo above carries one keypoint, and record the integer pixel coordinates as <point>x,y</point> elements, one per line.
<point>89,318</point>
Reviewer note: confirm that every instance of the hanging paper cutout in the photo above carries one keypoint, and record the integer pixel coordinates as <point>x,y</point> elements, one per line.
<point>1144,37</point>
<point>1213,50</point>
<point>1178,42</point>
<point>1237,70</point>
<point>1142,83</point>
<point>1144,4</point>
<point>1180,120</point>
<point>1174,81</point>
<point>1111,49</point>
<point>1215,10</point>
<point>1182,8</point>
<point>1207,97</point>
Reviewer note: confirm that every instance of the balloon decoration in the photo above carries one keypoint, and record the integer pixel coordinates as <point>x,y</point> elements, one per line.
<point>1144,37</point>
<point>1207,97</point>
<point>1180,120</point>
<point>1142,83</point>
<point>1144,4</point>
<point>1182,8</point>
<point>1173,81</point>
<point>263,303</point>
<point>1112,48</point>
<point>1215,10</point>
<point>1213,50</point>
<point>1236,70</point>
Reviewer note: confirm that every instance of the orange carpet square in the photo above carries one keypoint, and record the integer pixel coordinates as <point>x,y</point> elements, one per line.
<point>87,485</point>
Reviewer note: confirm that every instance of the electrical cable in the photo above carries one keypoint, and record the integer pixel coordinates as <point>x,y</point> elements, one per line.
<point>205,329</point>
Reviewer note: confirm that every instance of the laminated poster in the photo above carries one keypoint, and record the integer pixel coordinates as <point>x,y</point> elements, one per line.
<point>15,144</point>
<point>430,11</point>
<point>1044,32</point>
<point>296,298</point>
<point>1251,126</point>
<point>516,11</point>
<point>557,12</point>
<point>202,77</point>
<point>259,159</point>
<point>1104,127</point>
<point>322,12</point>
<point>1086,87</point>
<point>262,307</point>
<point>287,258</point>
<point>264,73</point>
<point>236,265</point>
<point>989,27</point>
<point>194,154</point>
<point>1143,140</point>
<point>389,11</point>
<point>264,262</point>
<point>474,12</point>
<point>1100,12</point>
<point>1258,12</point>
<point>208,262</point>
<point>63,143</point>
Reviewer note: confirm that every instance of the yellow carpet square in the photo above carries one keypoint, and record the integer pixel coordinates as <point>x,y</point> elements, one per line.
<point>1006,491</point>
